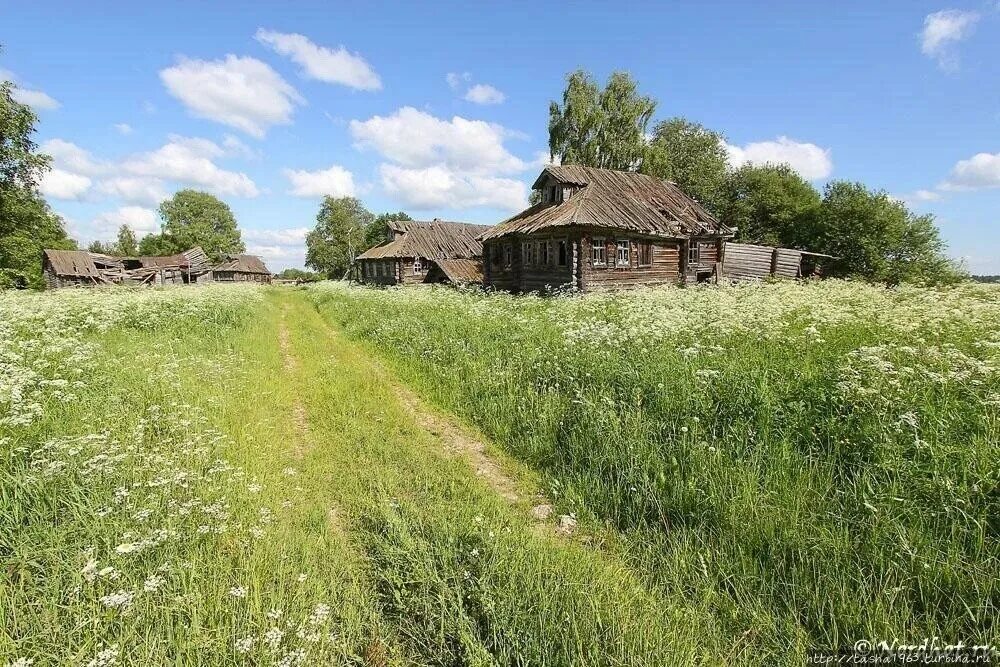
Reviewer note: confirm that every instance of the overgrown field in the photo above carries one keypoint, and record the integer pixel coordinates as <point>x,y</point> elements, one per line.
<point>227,475</point>
<point>796,465</point>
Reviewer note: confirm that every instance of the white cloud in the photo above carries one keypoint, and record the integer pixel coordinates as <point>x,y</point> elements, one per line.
<point>33,98</point>
<point>142,178</point>
<point>280,248</point>
<point>69,156</point>
<point>143,221</point>
<point>233,146</point>
<point>455,79</point>
<point>281,237</point>
<point>322,63</point>
<point>135,189</point>
<point>244,93</point>
<point>335,181</point>
<point>442,187</point>
<point>924,195</point>
<point>482,93</point>
<point>811,161</point>
<point>60,184</point>
<point>980,172</point>
<point>417,139</point>
<point>942,30</point>
<point>189,161</point>
<point>123,128</point>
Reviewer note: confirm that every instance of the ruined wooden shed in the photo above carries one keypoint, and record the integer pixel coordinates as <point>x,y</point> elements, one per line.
<point>424,252</point>
<point>71,268</point>
<point>745,261</point>
<point>79,268</point>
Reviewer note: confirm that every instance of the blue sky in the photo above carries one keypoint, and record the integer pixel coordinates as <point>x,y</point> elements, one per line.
<point>441,110</point>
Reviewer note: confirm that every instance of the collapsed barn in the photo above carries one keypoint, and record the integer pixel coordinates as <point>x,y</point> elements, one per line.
<point>79,268</point>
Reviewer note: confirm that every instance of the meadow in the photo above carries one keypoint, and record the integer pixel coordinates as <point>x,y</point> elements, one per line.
<point>802,464</point>
<point>227,475</point>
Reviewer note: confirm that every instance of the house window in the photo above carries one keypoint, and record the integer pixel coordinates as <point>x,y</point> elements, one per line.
<point>556,192</point>
<point>545,254</point>
<point>567,192</point>
<point>508,255</point>
<point>525,253</point>
<point>597,253</point>
<point>496,255</point>
<point>694,253</point>
<point>418,266</point>
<point>624,252</point>
<point>645,254</point>
<point>561,260</point>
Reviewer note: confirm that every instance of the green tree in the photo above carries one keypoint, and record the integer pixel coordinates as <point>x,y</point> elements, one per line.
<point>375,230</point>
<point>690,155</point>
<point>192,218</point>
<point>126,245</point>
<point>877,238</point>
<point>338,236</point>
<point>27,224</point>
<point>159,245</point>
<point>770,205</point>
<point>102,248</point>
<point>600,127</point>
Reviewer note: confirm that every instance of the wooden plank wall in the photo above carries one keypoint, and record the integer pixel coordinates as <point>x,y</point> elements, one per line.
<point>665,269</point>
<point>744,261</point>
<point>747,262</point>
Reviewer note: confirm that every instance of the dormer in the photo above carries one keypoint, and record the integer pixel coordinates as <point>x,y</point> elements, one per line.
<point>555,190</point>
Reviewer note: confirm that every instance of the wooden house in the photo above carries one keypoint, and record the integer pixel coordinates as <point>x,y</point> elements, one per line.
<point>238,268</point>
<point>598,228</point>
<point>424,252</point>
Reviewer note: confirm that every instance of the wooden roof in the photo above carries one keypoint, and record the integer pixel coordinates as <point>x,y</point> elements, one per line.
<point>436,239</point>
<point>72,263</point>
<point>242,264</point>
<point>461,271</point>
<point>615,200</point>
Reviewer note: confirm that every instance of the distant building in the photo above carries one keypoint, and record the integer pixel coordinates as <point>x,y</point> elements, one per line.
<point>424,252</point>
<point>79,268</point>
<point>238,268</point>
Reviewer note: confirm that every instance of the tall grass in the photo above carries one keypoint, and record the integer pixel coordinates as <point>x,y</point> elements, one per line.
<point>813,463</point>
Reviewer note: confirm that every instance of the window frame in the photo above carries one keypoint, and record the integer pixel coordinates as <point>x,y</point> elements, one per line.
<point>645,253</point>
<point>508,255</point>
<point>544,253</point>
<point>694,253</point>
<point>418,266</point>
<point>562,252</point>
<point>618,252</point>
<point>598,247</point>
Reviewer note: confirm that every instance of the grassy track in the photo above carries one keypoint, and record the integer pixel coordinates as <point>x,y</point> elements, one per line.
<point>805,465</point>
<point>210,495</point>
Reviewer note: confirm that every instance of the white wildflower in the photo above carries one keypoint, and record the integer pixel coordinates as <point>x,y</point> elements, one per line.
<point>238,592</point>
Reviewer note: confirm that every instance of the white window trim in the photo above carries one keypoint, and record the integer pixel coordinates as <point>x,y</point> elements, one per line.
<point>694,248</point>
<point>599,244</point>
<point>618,252</point>
<point>418,266</point>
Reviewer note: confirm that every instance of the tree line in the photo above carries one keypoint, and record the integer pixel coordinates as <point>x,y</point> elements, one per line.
<point>873,235</point>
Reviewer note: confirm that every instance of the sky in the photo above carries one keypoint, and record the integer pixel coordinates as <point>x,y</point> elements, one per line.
<point>441,109</point>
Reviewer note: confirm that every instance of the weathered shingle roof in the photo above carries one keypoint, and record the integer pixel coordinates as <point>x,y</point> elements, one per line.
<point>242,264</point>
<point>618,200</point>
<point>460,271</point>
<point>432,240</point>
<point>72,263</point>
